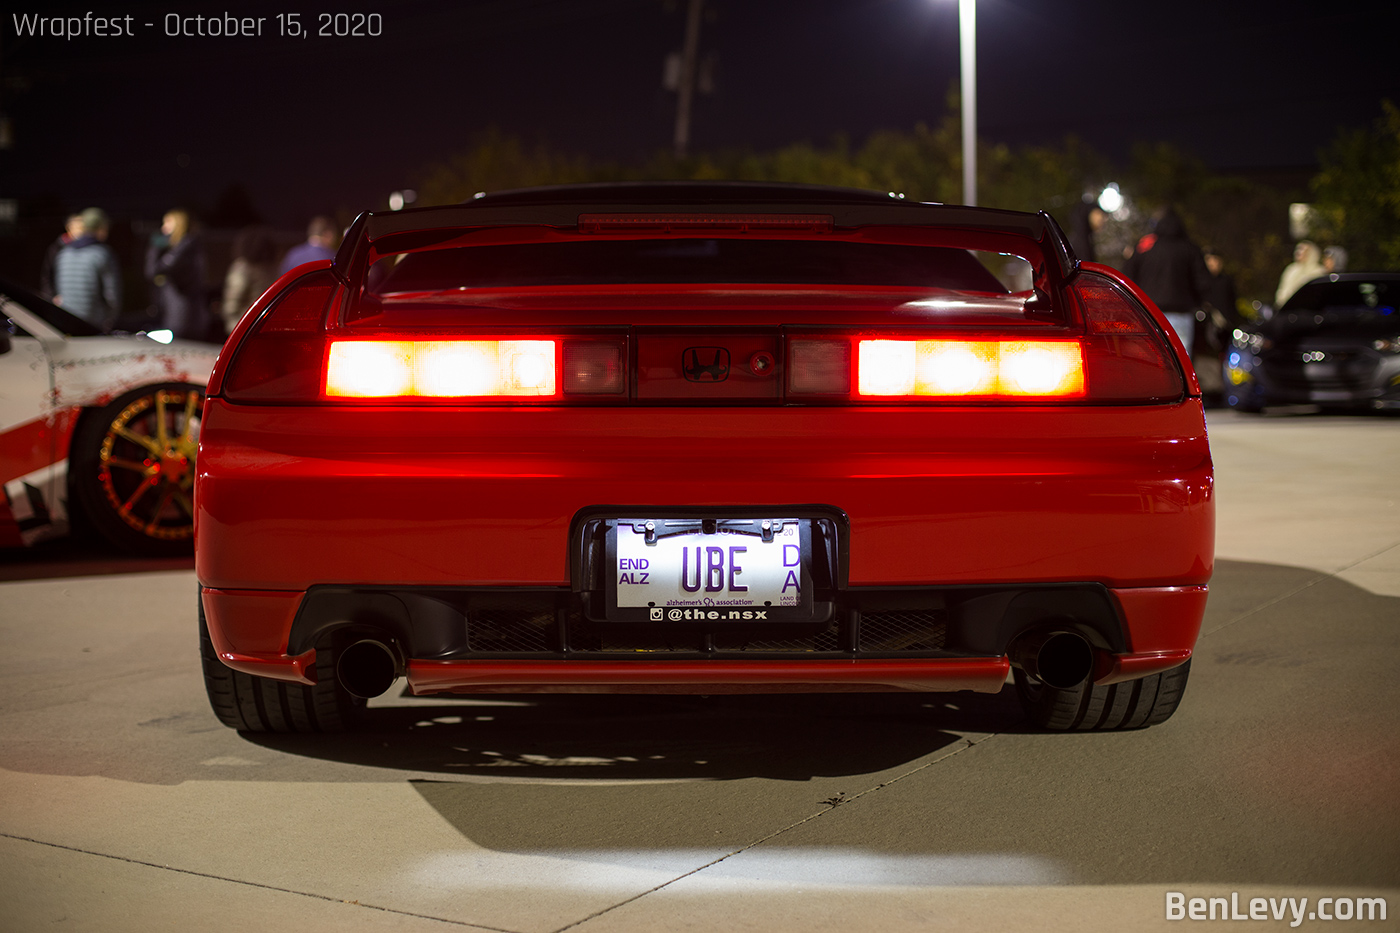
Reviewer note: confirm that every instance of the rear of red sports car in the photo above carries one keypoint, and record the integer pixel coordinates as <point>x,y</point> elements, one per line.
<point>702,439</point>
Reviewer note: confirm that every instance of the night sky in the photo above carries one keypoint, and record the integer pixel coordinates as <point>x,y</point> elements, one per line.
<point>137,124</point>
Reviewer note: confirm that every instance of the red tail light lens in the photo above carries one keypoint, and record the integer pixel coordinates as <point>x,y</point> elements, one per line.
<point>441,368</point>
<point>281,357</point>
<point>971,369</point>
<point>1127,357</point>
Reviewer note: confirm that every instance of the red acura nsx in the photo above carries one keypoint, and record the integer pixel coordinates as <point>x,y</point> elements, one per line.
<point>702,438</point>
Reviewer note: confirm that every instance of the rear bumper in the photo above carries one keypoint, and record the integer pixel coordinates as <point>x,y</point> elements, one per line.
<point>289,497</point>
<point>416,518</point>
<point>267,634</point>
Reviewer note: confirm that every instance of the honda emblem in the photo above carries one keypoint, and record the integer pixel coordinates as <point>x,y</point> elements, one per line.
<point>705,364</point>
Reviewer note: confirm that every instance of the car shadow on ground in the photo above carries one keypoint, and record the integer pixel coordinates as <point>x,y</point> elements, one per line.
<point>80,555</point>
<point>793,737</point>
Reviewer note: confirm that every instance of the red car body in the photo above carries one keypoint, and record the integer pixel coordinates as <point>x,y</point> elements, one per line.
<point>346,534</point>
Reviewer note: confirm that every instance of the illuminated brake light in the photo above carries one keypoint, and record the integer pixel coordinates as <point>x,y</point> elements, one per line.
<point>887,367</point>
<point>971,368</point>
<point>440,368</point>
<point>1042,367</point>
<point>956,367</point>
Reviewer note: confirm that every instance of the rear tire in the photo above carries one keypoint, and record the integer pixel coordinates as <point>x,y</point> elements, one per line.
<point>260,704</point>
<point>1132,704</point>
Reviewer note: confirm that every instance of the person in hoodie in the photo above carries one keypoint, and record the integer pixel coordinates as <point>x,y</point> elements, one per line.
<point>1306,266</point>
<point>1172,270</point>
<point>175,266</point>
<point>86,279</point>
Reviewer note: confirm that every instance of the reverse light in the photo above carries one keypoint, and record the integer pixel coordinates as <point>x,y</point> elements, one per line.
<point>440,368</point>
<point>819,366</point>
<point>594,367</point>
<point>971,368</point>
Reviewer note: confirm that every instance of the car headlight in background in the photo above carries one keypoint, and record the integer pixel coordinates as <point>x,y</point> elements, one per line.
<point>1252,342</point>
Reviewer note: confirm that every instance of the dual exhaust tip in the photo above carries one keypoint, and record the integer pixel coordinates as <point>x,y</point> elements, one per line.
<point>1058,659</point>
<point>367,668</point>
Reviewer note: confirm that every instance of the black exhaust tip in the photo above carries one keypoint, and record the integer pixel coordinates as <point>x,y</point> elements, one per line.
<point>1057,659</point>
<point>367,668</point>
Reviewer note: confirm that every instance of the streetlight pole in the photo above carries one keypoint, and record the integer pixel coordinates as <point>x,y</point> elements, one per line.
<point>690,54</point>
<point>967,24</point>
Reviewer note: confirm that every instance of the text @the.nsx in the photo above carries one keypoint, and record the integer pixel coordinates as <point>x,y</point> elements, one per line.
<point>712,615</point>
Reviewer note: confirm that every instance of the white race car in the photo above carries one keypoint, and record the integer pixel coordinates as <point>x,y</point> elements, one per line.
<point>102,424</point>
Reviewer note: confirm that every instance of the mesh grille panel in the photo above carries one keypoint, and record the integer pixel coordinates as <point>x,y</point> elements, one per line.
<point>903,630</point>
<point>510,629</point>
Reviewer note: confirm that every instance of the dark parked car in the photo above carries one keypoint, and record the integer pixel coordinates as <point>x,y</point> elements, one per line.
<point>1335,343</point>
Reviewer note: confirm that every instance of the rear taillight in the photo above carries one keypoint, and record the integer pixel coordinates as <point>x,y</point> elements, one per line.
<point>1122,357</point>
<point>971,369</point>
<point>280,359</point>
<point>441,368</point>
<point>289,356</point>
<point>1127,357</point>
<point>476,368</point>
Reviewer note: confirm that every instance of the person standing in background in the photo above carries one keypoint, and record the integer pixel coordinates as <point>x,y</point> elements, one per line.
<point>1172,270</point>
<point>1220,293</point>
<point>175,266</point>
<point>1306,266</point>
<point>87,280</point>
<point>321,235</point>
<point>251,273</point>
<point>1084,222</point>
<point>1334,259</point>
<point>71,231</point>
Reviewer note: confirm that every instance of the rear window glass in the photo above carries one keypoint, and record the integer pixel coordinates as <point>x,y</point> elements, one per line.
<point>694,261</point>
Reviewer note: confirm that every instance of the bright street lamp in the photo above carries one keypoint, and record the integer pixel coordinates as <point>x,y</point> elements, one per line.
<point>967,25</point>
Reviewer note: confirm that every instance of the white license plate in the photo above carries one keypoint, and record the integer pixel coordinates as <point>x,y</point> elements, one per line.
<point>677,572</point>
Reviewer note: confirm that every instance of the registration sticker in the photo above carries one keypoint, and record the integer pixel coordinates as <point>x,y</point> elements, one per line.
<point>716,570</point>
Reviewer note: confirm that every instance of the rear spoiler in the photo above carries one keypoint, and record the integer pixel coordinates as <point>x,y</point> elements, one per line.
<point>422,227</point>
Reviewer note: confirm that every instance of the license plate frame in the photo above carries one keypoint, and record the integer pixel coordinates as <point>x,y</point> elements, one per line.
<point>721,595</point>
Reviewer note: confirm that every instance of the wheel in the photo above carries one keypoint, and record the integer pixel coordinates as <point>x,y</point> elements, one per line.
<point>131,468</point>
<point>1131,704</point>
<point>260,704</point>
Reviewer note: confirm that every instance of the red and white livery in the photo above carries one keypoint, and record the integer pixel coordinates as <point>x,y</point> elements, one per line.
<point>105,424</point>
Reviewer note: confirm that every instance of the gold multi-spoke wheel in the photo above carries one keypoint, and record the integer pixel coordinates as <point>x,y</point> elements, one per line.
<point>133,468</point>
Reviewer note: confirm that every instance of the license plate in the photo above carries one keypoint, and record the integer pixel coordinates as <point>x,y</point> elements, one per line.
<point>727,570</point>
